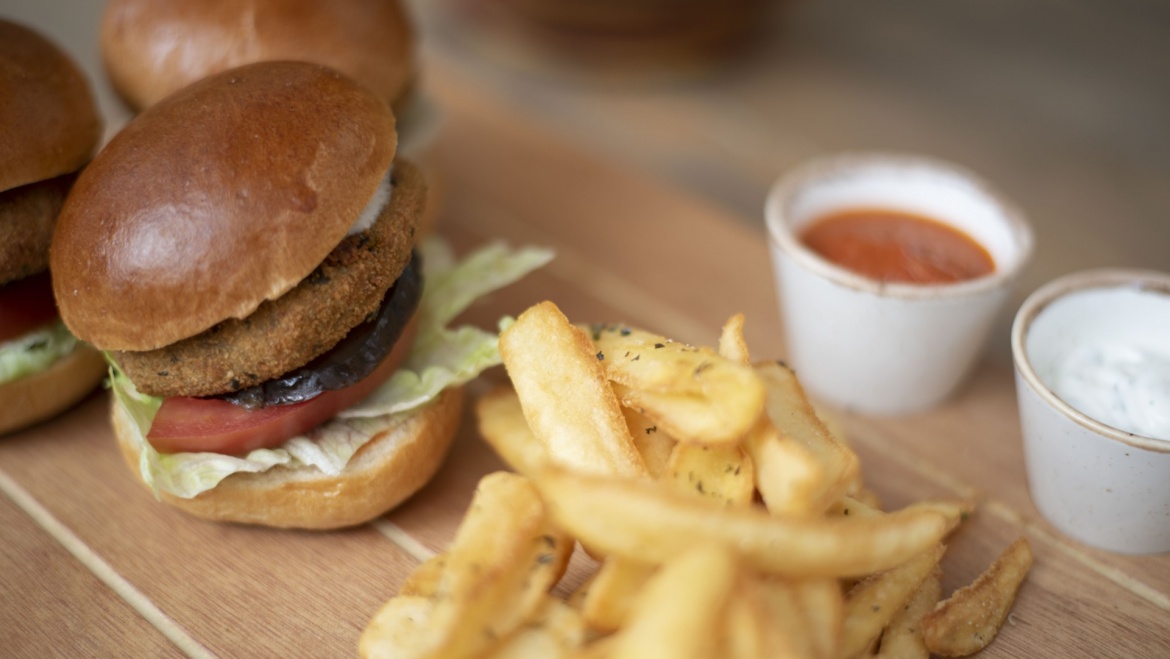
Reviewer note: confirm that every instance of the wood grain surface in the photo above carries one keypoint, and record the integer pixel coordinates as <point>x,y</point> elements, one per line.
<point>91,565</point>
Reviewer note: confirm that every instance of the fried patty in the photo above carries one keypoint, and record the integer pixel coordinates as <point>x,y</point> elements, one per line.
<point>27,217</point>
<point>287,332</point>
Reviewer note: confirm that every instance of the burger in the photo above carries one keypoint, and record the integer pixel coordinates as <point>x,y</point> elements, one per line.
<point>49,129</point>
<point>244,251</point>
<point>152,48</point>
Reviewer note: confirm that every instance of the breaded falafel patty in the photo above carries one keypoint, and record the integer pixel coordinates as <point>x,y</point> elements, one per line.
<point>302,324</point>
<point>27,217</point>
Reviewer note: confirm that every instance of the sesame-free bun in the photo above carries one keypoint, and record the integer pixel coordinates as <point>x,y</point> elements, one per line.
<point>226,194</point>
<point>41,396</point>
<point>154,47</point>
<point>48,122</point>
<point>382,474</point>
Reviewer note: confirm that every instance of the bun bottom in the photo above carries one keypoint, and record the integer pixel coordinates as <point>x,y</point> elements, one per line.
<point>381,475</point>
<point>44,395</point>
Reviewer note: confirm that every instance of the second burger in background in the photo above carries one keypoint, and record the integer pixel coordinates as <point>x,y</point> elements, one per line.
<point>152,48</point>
<point>245,252</point>
<point>49,128</point>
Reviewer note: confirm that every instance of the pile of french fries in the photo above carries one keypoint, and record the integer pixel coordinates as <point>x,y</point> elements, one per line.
<point>726,519</point>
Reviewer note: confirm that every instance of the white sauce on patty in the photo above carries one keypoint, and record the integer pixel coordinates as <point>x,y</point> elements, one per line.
<point>375,206</point>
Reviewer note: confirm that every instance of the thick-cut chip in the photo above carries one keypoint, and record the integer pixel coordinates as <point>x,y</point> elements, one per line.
<point>502,424</point>
<point>731,341</point>
<point>823,607</point>
<point>424,581</point>
<point>401,628</point>
<point>789,631</point>
<point>693,393</point>
<point>565,394</point>
<point>612,592</point>
<point>679,613</point>
<point>557,631</point>
<point>653,444</point>
<point>903,638</point>
<point>970,618</point>
<point>505,558</point>
<point>746,630</point>
<point>789,409</point>
<point>720,473</point>
<point>788,476</point>
<point>645,521</point>
<point>873,603</point>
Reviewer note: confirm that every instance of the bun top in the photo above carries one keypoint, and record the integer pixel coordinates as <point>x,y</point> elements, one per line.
<point>154,47</point>
<point>48,123</point>
<point>224,195</point>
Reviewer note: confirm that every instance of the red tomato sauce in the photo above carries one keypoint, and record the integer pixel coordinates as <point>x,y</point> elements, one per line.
<point>893,246</point>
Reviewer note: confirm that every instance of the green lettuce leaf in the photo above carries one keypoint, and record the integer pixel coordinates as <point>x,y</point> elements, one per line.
<point>440,358</point>
<point>35,351</point>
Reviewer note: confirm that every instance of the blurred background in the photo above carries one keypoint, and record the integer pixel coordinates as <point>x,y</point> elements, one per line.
<point>1063,105</point>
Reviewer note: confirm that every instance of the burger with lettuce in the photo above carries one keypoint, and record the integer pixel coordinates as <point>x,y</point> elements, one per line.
<point>49,129</point>
<point>244,251</point>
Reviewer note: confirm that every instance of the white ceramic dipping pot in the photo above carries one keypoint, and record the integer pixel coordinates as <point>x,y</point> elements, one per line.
<point>888,348</point>
<point>1092,357</point>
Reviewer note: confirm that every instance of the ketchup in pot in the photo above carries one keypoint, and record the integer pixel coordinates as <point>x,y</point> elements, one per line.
<point>899,247</point>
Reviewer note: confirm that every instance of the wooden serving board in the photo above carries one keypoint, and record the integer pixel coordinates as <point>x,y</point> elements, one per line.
<point>91,565</point>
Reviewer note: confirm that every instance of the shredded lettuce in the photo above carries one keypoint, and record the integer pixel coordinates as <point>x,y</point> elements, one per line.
<point>440,357</point>
<point>35,351</point>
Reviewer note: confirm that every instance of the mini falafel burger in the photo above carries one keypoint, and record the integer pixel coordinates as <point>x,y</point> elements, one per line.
<point>49,128</point>
<point>244,252</point>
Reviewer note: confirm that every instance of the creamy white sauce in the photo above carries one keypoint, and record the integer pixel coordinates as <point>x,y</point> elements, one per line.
<point>375,206</point>
<point>1119,384</point>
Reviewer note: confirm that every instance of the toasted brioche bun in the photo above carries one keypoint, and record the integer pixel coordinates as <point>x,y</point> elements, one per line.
<point>154,47</point>
<point>391,467</point>
<point>48,122</point>
<point>43,395</point>
<point>185,219</point>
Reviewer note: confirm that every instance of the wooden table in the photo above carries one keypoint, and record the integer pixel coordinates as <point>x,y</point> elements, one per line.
<point>90,565</point>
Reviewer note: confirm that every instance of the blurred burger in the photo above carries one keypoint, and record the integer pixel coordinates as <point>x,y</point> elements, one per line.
<point>244,251</point>
<point>152,48</point>
<point>49,128</point>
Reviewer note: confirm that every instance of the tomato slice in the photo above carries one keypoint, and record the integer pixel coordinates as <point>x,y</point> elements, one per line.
<point>197,425</point>
<point>25,305</point>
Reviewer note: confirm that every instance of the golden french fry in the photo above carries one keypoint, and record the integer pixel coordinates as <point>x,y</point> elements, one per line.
<point>873,603</point>
<point>556,631</point>
<point>424,581</point>
<point>612,592</point>
<point>794,417</point>
<point>823,606</point>
<point>565,395</point>
<point>746,633</point>
<point>692,418</point>
<point>401,628</point>
<point>731,342</point>
<point>502,423</point>
<point>720,473</point>
<point>850,507</point>
<point>503,561</point>
<point>693,393</point>
<point>788,476</point>
<point>903,638</point>
<point>788,632</point>
<point>955,511</point>
<point>653,445</point>
<point>679,612</point>
<point>969,619</point>
<point>864,495</point>
<point>645,521</point>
